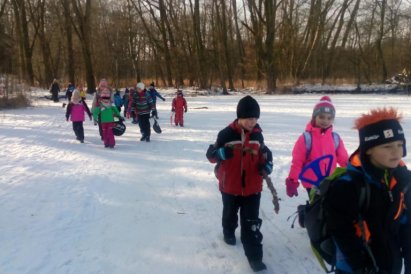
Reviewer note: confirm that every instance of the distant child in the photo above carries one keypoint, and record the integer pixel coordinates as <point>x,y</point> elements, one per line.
<point>106,111</point>
<point>242,158</point>
<point>103,84</point>
<point>54,90</point>
<point>367,235</point>
<point>154,94</point>
<point>118,101</point>
<point>125,98</point>
<point>75,111</point>
<point>179,106</point>
<point>69,91</point>
<point>142,104</point>
<point>317,140</point>
<point>82,91</point>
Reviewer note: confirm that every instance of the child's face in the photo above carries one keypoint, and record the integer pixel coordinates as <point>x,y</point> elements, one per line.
<point>324,120</point>
<point>247,123</point>
<point>386,155</point>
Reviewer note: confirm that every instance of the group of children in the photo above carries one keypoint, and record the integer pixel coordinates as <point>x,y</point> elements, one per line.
<point>139,103</point>
<point>382,244</point>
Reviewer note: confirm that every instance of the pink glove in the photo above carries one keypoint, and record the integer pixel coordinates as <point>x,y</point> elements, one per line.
<point>292,186</point>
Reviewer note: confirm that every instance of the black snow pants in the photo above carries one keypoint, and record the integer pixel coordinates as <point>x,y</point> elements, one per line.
<point>249,207</point>
<point>144,124</point>
<point>78,130</point>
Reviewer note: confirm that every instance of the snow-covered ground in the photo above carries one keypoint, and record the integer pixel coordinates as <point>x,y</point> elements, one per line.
<point>151,207</point>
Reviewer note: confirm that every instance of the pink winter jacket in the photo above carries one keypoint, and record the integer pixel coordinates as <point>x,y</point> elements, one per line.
<point>322,144</point>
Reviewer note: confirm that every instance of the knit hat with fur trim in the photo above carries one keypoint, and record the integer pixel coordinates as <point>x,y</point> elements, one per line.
<point>248,108</point>
<point>379,126</point>
<point>324,106</point>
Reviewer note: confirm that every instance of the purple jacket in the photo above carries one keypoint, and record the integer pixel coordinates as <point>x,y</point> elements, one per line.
<point>76,111</point>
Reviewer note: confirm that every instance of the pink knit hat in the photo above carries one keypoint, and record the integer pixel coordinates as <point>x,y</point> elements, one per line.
<point>324,106</point>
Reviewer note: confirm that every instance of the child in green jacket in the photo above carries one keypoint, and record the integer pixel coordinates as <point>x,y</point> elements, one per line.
<point>106,111</point>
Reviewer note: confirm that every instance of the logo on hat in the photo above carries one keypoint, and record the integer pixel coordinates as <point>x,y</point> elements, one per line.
<point>388,133</point>
<point>371,138</point>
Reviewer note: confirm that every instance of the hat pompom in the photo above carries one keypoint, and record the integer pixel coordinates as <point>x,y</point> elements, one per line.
<point>324,106</point>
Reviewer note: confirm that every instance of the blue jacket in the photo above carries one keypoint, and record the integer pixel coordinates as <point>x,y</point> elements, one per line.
<point>154,94</point>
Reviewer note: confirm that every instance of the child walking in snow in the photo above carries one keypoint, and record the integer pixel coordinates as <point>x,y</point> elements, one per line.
<point>317,140</point>
<point>141,103</point>
<point>369,238</point>
<point>105,112</point>
<point>154,94</point>
<point>179,107</point>
<point>75,111</point>
<point>242,158</point>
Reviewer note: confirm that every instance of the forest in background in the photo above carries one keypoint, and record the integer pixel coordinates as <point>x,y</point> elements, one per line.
<point>267,44</point>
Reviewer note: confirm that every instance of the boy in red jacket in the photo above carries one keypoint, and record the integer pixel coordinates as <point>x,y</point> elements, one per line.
<point>179,106</point>
<point>242,158</point>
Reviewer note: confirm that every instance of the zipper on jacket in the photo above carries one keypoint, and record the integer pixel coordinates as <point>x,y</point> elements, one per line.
<point>387,183</point>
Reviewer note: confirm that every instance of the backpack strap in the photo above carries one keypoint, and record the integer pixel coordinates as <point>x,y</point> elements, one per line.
<point>336,139</point>
<point>308,142</point>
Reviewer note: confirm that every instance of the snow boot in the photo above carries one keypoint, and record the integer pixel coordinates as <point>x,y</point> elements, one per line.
<point>143,138</point>
<point>257,265</point>
<point>230,240</point>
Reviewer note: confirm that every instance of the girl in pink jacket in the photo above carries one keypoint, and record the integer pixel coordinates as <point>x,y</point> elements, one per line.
<point>317,140</point>
<point>75,111</point>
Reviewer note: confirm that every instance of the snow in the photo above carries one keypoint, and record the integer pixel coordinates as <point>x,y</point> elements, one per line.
<point>151,207</point>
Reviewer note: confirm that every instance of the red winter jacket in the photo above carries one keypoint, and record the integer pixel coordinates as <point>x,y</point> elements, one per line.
<point>240,174</point>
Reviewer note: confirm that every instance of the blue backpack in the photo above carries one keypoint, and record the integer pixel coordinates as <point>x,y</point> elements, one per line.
<point>308,142</point>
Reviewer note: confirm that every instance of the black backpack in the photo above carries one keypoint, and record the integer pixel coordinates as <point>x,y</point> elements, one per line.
<point>315,219</point>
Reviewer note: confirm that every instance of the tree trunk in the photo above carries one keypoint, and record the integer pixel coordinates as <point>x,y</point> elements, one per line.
<point>69,37</point>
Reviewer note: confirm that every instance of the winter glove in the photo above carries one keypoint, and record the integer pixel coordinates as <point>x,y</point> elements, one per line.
<point>185,110</point>
<point>121,119</point>
<point>266,168</point>
<point>224,153</point>
<point>291,186</point>
<point>173,110</point>
<point>164,99</point>
<point>95,122</point>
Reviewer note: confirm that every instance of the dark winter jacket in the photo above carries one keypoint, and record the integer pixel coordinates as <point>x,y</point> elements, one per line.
<point>383,215</point>
<point>55,88</point>
<point>140,102</point>
<point>154,94</point>
<point>240,175</point>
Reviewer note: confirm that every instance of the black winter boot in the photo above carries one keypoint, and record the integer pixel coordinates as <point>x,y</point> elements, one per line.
<point>257,265</point>
<point>230,240</point>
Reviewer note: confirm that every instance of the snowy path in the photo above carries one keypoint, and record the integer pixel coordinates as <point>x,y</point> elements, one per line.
<point>152,207</point>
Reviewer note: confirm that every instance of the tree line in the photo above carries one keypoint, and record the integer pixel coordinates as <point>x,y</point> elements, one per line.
<point>226,43</point>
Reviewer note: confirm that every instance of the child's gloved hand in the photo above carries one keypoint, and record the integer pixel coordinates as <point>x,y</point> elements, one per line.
<point>164,99</point>
<point>185,110</point>
<point>291,186</point>
<point>224,153</point>
<point>95,122</point>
